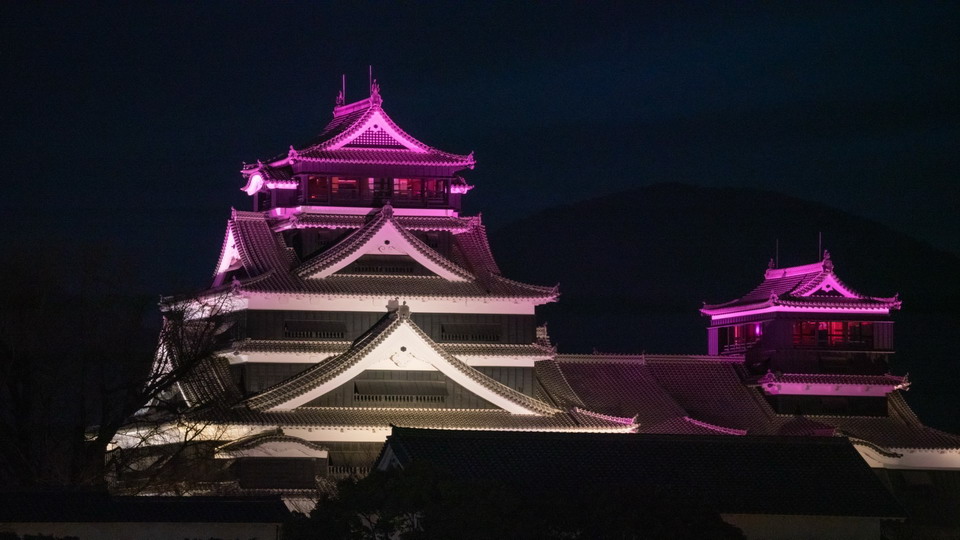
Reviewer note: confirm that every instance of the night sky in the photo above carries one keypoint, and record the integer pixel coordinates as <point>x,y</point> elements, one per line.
<point>125,125</point>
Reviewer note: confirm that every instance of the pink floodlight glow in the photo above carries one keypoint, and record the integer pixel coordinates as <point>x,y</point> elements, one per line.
<point>859,310</point>
<point>254,184</point>
<point>282,184</point>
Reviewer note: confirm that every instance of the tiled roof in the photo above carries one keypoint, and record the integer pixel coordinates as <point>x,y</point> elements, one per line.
<point>393,286</point>
<point>712,392</point>
<point>268,261</point>
<point>346,221</point>
<point>271,436</point>
<point>474,247</point>
<point>330,368</point>
<point>209,382</point>
<point>617,388</point>
<point>261,250</point>
<point>290,346</point>
<point>709,394</point>
<point>360,237</point>
<point>351,121</point>
<point>384,156</point>
<point>325,370</point>
<point>798,287</point>
<point>276,173</point>
<point>338,347</point>
<point>355,417</point>
<point>742,475</point>
<point>829,378</point>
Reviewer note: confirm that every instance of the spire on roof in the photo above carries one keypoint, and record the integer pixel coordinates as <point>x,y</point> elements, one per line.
<point>375,93</point>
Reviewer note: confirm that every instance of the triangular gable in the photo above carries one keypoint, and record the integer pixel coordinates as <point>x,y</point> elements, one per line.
<point>376,129</point>
<point>829,284</point>
<point>395,340</point>
<point>382,236</point>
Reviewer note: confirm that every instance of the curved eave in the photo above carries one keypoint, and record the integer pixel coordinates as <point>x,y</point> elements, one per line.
<point>441,159</point>
<point>878,306</point>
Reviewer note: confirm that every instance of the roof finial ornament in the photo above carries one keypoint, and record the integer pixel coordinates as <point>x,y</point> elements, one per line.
<point>374,89</point>
<point>772,264</point>
<point>292,153</point>
<point>342,96</point>
<point>404,310</point>
<point>827,263</point>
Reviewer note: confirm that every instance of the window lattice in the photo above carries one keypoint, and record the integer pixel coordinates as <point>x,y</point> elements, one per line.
<point>377,138</point>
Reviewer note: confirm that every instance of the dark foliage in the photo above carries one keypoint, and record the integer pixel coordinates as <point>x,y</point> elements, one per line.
<point>77,351</point>
<point>425,502</point>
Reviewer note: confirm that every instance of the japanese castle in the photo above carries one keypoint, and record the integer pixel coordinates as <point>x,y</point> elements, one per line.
<point>361,299</point>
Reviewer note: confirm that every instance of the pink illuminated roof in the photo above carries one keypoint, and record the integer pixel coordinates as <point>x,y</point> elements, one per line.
<point>812,286</point>
<point>255,257</point>
<point>362,133</point>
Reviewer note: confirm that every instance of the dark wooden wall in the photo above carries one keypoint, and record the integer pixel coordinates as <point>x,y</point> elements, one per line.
<point>268,324</point>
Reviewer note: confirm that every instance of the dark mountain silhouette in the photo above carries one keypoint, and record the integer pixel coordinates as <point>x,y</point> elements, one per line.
<point>635,267</point>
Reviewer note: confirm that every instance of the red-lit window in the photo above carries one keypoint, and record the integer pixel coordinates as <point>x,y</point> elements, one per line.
<point>344,188</point>
<point>317,189</point>
<point>736,339</point>
<point>407,189</point>
<point>435,189</point>
<point>381,189</point>
<point>833,334</point>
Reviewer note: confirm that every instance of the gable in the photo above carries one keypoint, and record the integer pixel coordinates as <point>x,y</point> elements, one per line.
<point>829,285</point>
<point>394,343</point>
<point>378,131</point>
<point>382,241</point>
<point>385,265</point>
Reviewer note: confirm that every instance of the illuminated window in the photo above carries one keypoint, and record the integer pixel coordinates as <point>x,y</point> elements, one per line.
<point>435,189</point>
<point>408,189</point>
<point>736,339</point>
<point>833,334</point>
<point>381,189</point>
<point>344,188</point>
<point>317,189</point>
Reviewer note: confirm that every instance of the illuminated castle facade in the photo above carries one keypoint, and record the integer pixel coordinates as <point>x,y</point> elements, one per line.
<point>362,299</point>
